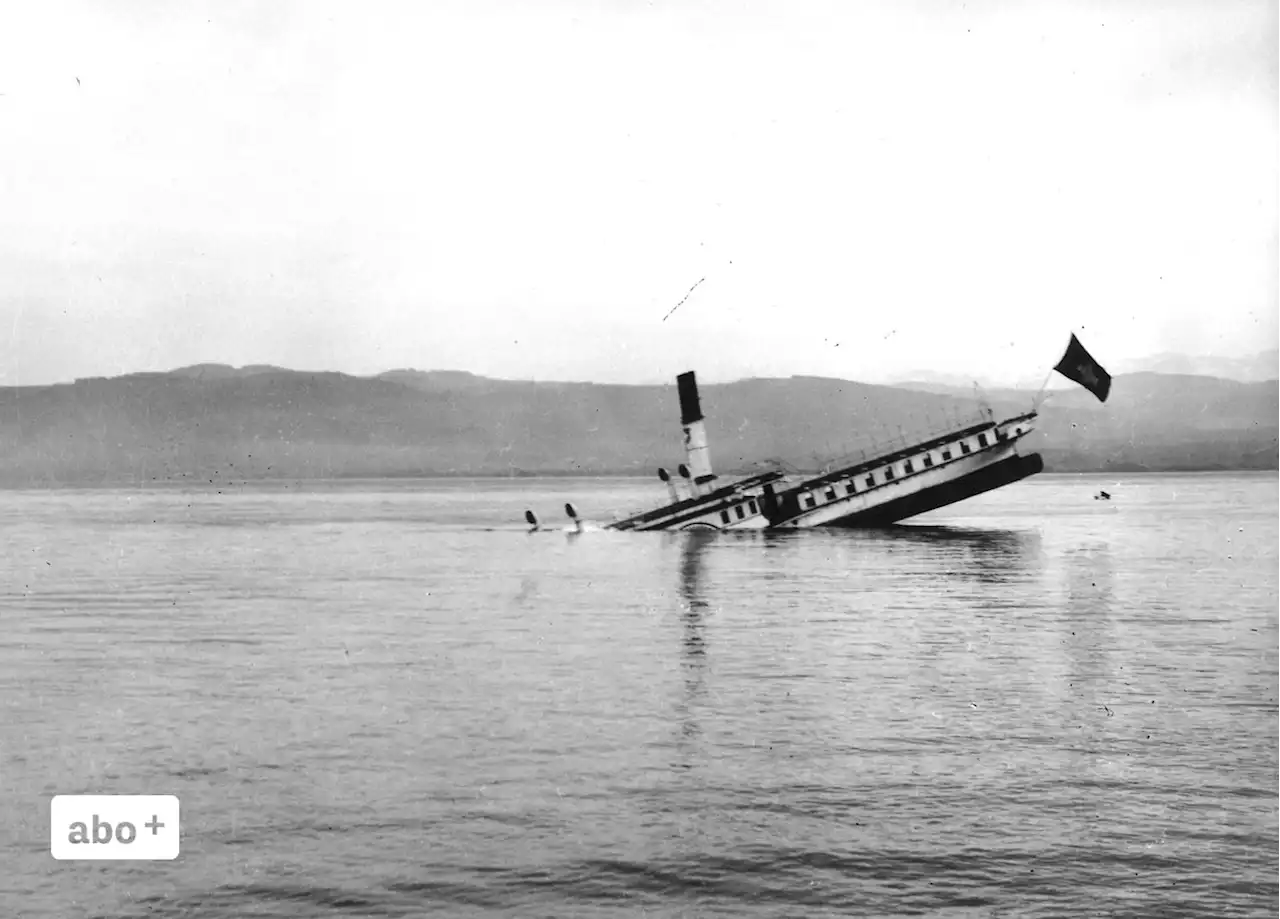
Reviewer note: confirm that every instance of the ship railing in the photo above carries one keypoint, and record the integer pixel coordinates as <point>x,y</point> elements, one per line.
<point>882,443</point>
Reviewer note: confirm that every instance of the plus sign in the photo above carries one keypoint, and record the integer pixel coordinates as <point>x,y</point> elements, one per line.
<point>154,825</point>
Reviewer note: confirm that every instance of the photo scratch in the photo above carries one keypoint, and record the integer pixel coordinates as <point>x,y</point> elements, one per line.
<point>682,299</point>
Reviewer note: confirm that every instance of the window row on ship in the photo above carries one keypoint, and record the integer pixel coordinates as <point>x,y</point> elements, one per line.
<point>741,510</point>
<point>910,466</point>
<point>883,475</point>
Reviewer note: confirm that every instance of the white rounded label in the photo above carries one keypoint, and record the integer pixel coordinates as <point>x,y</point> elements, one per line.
<point>123,827</point>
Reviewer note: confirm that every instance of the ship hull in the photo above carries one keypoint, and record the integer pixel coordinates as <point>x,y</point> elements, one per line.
<point>990,477</point>
<point>918,479</point>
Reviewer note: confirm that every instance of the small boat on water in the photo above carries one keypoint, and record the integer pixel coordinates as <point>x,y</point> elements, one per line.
<point>873,491</point>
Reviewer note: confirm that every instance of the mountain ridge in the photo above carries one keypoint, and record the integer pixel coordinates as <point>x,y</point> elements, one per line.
<point>1252,368</point>
<point>217,423</point>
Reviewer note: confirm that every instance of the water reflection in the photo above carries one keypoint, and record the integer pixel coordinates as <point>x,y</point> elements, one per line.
<point>1087,612</point>
<point>694,609</point>
<point>1093,694</point>
<point>1002,541</point>
<point>692,551</point>
<point>987,556</point>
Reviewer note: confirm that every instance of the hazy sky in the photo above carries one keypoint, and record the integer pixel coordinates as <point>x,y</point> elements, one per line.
<point>525,189</point>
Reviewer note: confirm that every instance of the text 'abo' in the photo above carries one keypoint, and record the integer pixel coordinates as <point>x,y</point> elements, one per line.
<point>120,827</point>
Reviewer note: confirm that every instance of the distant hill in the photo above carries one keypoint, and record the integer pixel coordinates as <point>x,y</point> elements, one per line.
<point>438,380</point>
<point>1254,368</point>
<point>223,371</point>
<point>220,424</point>
<point>1162,422</point>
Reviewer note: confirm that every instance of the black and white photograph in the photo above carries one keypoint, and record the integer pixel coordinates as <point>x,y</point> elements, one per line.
<point>584,459</point>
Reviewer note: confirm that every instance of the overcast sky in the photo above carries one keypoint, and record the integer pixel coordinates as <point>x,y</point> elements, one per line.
<point>526,189</point>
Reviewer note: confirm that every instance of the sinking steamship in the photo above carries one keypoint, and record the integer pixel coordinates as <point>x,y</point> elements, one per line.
<point>877,491</point>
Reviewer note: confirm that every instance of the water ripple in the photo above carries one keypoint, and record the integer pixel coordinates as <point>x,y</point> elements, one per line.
<point>396,703</point>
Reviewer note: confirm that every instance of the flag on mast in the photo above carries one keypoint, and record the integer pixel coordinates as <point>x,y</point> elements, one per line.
<point>1078,365</point>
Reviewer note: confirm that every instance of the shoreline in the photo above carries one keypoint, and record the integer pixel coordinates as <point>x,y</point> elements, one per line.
<point>334,482</point>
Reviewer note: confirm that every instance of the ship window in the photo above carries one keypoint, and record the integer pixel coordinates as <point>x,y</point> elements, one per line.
<point>849,487</point>
<point>871,481</point>
<point>888,473</point>
<point>724,516</point>
<point>964,447</point>
<point>740,512</point>
<point>752,506</point>
<point>831,493</point>
<point>982,440</point>
<point>907,467</point>
<point>809,501</point>
<point>1000,434</point>
<point>946,455</point>
<point>928,460</point>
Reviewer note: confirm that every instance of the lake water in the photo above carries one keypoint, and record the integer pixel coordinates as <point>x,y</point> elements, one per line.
<point>385,699</point>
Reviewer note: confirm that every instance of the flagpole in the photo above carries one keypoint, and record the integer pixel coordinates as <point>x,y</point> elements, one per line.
<point>1035,403</point>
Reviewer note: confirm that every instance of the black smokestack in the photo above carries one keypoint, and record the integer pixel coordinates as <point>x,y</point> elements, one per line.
<point>690,408</point>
